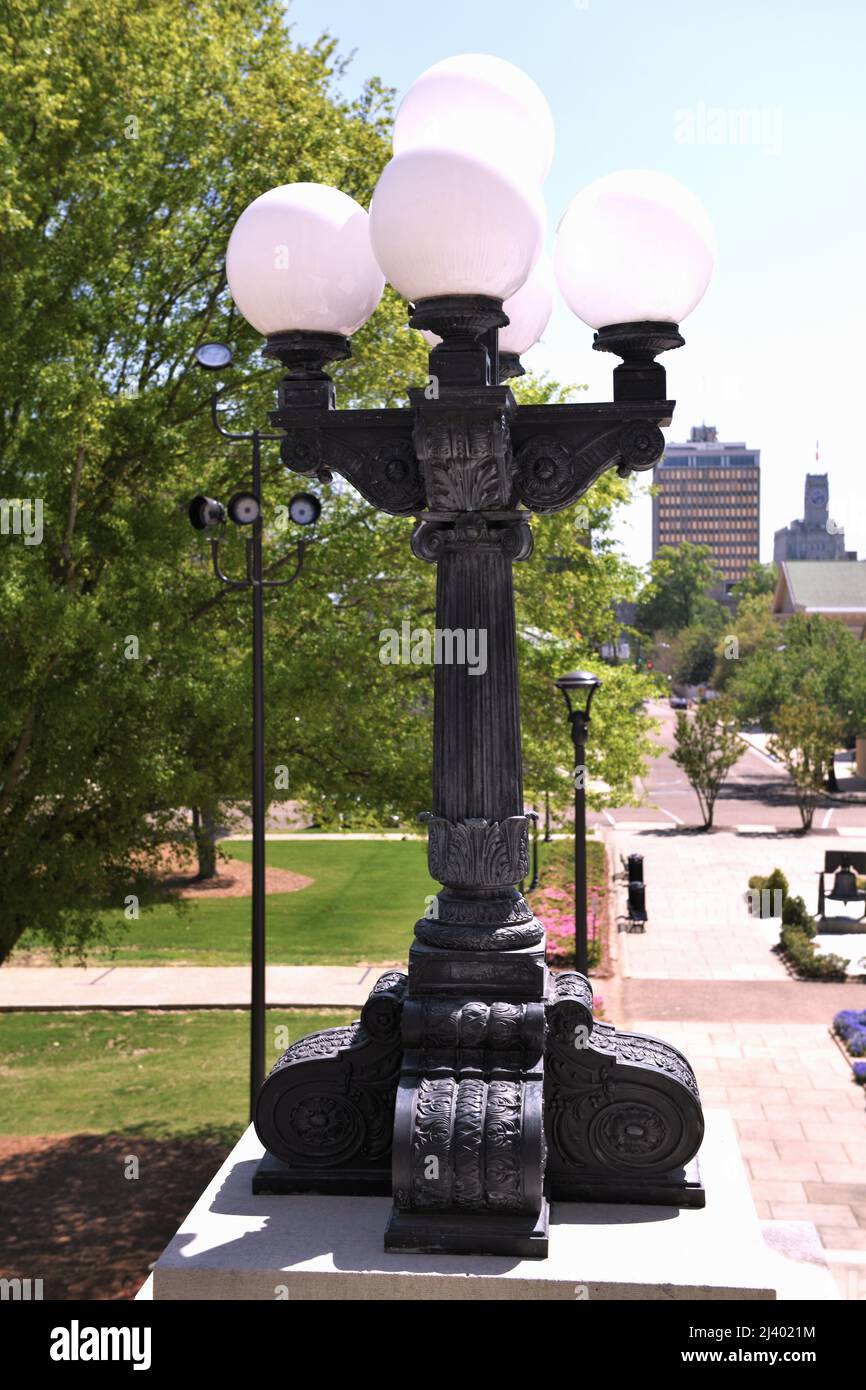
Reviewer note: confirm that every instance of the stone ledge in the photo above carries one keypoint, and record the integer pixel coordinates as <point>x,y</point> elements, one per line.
<point>236,1246</point>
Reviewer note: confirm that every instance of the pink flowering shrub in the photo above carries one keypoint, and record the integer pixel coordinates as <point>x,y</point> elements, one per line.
<point>553,904</point>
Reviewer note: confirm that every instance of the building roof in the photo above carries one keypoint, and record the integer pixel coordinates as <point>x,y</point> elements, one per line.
<point>825,586</point>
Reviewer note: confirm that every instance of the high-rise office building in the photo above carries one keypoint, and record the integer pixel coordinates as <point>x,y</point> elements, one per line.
<point>709,492</point>
<point>816,537</point>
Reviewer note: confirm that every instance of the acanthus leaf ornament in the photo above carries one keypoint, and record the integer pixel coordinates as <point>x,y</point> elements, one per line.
<point>477,852</point>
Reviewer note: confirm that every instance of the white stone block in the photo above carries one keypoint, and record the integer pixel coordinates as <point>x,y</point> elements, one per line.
<point>237,1246</point>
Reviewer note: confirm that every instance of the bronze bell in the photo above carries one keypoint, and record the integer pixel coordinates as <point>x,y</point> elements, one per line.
<point>844,886</point>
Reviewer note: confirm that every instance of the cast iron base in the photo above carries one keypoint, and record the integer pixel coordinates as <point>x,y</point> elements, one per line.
<point>683,1188</point>
<point>472,1233</point>
<point>274,1175</point>
<point>476,1112</point>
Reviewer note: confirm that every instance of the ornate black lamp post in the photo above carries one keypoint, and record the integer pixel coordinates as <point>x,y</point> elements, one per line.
<point>579,683</point>
<point>245,509</point>
<point>477,1086</point>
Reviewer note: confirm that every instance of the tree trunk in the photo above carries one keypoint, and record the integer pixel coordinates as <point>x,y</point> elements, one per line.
<point>204,827</point>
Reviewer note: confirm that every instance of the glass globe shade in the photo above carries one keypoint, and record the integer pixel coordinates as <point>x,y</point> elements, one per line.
<point>528,312</point>
<point>479,105</point>
<point>443,223</point>
<point>299,257</point>
<point>634,245</point>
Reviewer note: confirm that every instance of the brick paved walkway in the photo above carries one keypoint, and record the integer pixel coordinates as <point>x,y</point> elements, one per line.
<point>704,978</point>
<point>800,1121</point>
<point>700,927</point>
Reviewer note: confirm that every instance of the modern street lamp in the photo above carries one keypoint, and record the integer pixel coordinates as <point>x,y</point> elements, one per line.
<point>476,1086</point>
<point>577,686</point>
<point>245,509</point>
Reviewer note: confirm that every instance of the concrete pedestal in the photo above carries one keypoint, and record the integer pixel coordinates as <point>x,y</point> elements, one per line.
<point>237,1246</point>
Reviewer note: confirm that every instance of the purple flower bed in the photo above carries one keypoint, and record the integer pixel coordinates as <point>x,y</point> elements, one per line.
<point>850,1026</point>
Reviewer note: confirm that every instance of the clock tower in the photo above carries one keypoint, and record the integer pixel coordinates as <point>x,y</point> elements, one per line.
<point>815,511</point>
<point>817,536</point>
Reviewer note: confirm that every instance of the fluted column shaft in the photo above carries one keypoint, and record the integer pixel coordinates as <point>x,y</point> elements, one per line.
<point>476,742</point>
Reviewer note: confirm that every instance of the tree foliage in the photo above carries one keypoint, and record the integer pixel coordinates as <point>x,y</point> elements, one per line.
<point>808,656</point>
<point>132,138</point>
<point>693,656</point>
<point>753,631</point>
<point>707,746</point>
<point>759,581</point>
<point>805,741</point>
<point>677,593</point>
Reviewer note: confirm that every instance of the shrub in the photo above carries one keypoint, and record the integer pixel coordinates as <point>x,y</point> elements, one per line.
<point>860,1073</point>
<point>553,903</point>
<point>803,955</point>
<point>776,880</point>
<point>796,914</point>
<point>769,884</point>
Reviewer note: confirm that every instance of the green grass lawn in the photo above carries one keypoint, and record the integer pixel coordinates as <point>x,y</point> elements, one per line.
<point>362,906</point>
<point>156,1074</point>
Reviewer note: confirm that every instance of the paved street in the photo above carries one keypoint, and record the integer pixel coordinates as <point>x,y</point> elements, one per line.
<point>757,794</point>
<point>704,976</point>
<point>800,1123</point>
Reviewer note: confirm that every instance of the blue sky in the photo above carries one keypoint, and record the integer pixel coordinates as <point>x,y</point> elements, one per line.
<point>773,353</point>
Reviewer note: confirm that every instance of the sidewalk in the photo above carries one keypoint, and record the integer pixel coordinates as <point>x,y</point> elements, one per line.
<point>800,1123</point>
<point>704,978</point>
<point>699,926</point>
<point>183,986</point>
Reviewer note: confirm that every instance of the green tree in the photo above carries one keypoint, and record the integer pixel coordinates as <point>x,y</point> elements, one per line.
<point>758,581</point>
<point>133,137</point>
<point>753,630</point>
<point>676,595</point>
<point>813,656</point>
<point>693,656</point>
<point>707,746</point>
<point>805,741</point>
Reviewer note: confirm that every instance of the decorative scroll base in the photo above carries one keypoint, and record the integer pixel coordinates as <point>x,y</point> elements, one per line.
<point>273,1175</point>
<point>477,1111</point>
<point>682,1188</point>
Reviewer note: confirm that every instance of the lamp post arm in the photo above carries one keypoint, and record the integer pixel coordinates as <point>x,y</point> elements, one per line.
<point>229,434</point>
<point>284,583</point>
<point>224,578</point>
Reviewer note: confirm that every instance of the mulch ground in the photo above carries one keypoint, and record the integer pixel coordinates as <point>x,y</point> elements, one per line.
<point>234,879</point>
<point>70,1217</point>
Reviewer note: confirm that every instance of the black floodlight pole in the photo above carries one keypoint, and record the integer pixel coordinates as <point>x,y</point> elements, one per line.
<point>245,509</point>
